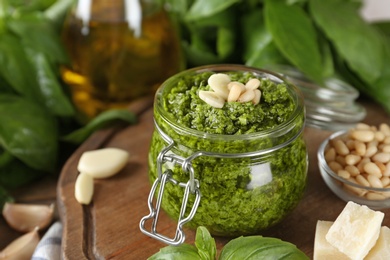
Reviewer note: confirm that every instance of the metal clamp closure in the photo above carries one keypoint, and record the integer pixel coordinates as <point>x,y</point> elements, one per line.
<point>190,188</point>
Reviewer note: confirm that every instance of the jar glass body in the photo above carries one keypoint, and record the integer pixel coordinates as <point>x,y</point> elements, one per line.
<point>119,51</point>
<point>247,182</point>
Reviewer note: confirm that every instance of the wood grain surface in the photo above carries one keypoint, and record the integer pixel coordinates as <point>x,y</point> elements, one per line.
<point>108,228</point>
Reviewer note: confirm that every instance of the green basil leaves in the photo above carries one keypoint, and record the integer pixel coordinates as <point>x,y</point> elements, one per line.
<point>251,247</point>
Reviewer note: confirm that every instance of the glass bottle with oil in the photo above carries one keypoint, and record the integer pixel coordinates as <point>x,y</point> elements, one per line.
<point>119,50</point>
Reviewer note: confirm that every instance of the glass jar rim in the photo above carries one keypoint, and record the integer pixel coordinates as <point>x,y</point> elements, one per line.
<point>278,130</point>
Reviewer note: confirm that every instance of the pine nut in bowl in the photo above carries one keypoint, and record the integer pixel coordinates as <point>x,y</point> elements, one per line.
<point>355,165</point>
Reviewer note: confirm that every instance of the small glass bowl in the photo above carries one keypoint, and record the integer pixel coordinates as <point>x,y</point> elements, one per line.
<point>375,198</point>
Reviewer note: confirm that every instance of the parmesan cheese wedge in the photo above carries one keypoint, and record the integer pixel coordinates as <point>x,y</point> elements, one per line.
<point>322,249</point>
<point>355,230</point>
<point>381,250</point>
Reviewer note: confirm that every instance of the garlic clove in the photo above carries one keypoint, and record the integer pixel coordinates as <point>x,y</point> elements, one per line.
<point>103,163</point>
<point>22,247</point>
<point>26,217</point>
<point>83,191</point>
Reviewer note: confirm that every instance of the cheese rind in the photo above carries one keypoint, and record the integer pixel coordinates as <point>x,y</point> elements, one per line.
<point>381,250</point>
<point>355,230</point>
<point>322,249</point>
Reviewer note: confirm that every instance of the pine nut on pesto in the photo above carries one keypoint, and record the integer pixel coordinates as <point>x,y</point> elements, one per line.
<point>249,161</point>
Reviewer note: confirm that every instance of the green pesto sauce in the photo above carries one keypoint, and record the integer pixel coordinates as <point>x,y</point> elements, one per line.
<point>230,204</point>
<point>184,105</point>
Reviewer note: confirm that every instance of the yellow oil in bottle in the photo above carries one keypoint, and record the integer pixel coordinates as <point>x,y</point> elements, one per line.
<point>110,64</point>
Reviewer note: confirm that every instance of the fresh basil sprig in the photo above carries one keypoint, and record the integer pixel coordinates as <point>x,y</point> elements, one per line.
<point>250,247</point>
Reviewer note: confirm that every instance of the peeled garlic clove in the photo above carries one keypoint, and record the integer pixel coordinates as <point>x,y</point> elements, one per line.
<point>103,163</point>
<point>21,248</point>
<point>252,84</point>
<point>83,191</point>
<point>256,99</point>
<point>26,217</point>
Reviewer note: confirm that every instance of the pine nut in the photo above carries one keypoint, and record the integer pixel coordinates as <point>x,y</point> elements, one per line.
<point>386,194</point>
<point>381,166</point>
<point>362,181</point>
<point>355,190</point>
<point>233,83</point>
<point>371,150</point>
<point>362,126</point>
<point>350,144</point>
<point>340,147</point>
<point>246,96</point>
<point>252,84</point>
<point>381,157</point>
<point>256,99</point>
<point>387,170</point>
<point>352,159</point>
<point>341,160</point>
<point>218,80</point>
<point>330,155</point>
<point>353,170</point>
<point>363,135</point>
<point>335,166</point>
<point>379,136</point>
<point>385,181</point>
<point>234,93</point>
<point>387,140</point>
<point>360,148</point>
<point>374,181</point>
<point>343,174</point>
<point>386,149</point>
<point>362,163</point>
<point>385,129</point>
<point>211,98</point>
<point>372,169</point>
<point>375,196</point>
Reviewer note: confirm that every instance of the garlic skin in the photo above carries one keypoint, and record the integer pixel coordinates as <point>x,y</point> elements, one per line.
<point>22,247</point>
<point>27,217</point>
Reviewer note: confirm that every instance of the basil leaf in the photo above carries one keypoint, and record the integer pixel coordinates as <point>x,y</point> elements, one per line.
<point>205,244</point>
<point>51,92</point>
<point>30,132</point>
<point>36,32</point>
<point>180,252</point>
<point>57,12</point>
<point>212,39</point>
<point>258,247</point>
<point>15,174</point>
<point>14,61</point>
<point>381,90</point>
<point>205,8</point>
<point>100,121</point>
<point>354,39</point>
<point>259,49</point>
<point>295,36</point>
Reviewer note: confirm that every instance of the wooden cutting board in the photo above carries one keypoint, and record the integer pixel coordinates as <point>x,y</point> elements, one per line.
<point>108,228</point>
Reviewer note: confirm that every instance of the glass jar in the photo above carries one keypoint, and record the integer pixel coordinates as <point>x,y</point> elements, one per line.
<point>119,51</point>
<point>232,184</point>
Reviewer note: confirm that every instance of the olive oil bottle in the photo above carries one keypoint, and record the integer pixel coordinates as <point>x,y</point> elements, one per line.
<point>119,50</point>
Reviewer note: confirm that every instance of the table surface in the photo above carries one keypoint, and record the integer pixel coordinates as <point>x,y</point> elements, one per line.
<point>108,228</point>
